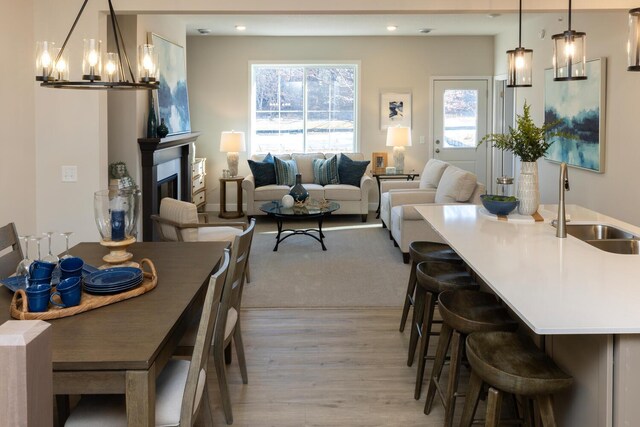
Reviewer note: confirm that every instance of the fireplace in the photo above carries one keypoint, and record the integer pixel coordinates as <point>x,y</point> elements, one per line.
<point>166,172</point>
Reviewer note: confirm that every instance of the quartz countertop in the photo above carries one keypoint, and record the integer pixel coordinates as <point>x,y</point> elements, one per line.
<point>556,286</point>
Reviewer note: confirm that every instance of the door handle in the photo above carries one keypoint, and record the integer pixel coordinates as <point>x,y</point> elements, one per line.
<point>437,150</point>
<point>437,141</point>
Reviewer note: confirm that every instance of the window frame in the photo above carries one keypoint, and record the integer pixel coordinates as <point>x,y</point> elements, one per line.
<point>304,64</point>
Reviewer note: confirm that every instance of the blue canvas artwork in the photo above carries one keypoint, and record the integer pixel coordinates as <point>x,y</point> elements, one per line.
<point>579,107</point>
<point>173,99</point>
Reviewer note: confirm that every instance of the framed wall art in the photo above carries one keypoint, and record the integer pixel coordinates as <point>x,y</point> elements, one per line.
<point>395,109</point>
<point>173,98</point>
<point>579,106</point>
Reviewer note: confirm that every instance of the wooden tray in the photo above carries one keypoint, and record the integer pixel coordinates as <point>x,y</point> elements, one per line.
<point>20,309</point>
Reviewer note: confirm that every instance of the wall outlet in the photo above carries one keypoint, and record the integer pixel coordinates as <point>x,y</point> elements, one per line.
<point>69,173</point>
<point>421,139</point>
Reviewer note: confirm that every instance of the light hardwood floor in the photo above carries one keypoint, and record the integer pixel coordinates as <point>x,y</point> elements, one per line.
<point>324,367</point>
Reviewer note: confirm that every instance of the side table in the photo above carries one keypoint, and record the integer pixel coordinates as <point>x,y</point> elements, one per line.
<point>382,176</point>
<point>223,198</point>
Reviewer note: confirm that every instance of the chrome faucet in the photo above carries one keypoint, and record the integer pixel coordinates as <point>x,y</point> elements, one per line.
<point>561,224</point>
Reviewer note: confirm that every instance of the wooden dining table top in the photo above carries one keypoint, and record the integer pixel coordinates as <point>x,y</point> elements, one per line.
<point>129,335</point>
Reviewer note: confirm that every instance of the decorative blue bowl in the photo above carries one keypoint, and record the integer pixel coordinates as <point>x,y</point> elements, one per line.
<point>498,207</point>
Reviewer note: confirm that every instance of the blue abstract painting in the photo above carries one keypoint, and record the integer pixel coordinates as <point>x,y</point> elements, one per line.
<point>173,99</point>
<point>579,107</point>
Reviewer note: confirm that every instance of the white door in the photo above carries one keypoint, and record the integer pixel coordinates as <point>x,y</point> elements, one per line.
<point>460,117</point>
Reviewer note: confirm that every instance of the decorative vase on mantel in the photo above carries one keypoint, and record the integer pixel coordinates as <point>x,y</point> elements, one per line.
<point>298,192</point>
<point>528,192</point>
<point>152,120</point>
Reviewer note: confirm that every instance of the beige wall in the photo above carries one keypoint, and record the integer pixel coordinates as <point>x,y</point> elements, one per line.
<point>613,192</point>
<point>218,78</point>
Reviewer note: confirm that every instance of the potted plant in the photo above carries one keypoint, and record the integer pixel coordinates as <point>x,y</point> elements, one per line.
<point>529,142</point>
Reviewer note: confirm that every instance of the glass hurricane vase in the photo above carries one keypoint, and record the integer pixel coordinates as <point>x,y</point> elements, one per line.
<point>116,213</point>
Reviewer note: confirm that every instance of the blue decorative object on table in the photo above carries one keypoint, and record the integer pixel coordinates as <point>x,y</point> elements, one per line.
<point>38,297</point>
<point>499,205</point>
<point>113,280</point>
<point>19,282</point>
<point>298,192</point>
<point>71,267</point>
<point>70,292</point>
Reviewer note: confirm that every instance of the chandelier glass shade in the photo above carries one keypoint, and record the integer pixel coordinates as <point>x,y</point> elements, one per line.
<point>519,61</point>
<point>633,42</point>
<point>569,54</point>
<point>99,71</point>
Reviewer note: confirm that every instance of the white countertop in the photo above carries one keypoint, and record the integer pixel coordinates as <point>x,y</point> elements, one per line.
<point>556,286</point>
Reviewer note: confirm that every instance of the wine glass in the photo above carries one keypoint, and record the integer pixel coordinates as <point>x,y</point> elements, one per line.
<point>50,257</point>
<point>66,235</point>
<point>37,240</point>
<point>23,266</point>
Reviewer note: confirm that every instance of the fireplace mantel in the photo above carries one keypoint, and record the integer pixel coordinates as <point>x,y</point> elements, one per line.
<point>155,151</point>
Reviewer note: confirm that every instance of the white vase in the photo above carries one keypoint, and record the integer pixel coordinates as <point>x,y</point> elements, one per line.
<point>528,192</point>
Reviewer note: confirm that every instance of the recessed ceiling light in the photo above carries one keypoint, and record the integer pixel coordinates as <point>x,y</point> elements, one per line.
<point>204,31</point>
<point>492,15</point>
<point>425,30</point>
<point>240,27</point>
<point>392,27</point>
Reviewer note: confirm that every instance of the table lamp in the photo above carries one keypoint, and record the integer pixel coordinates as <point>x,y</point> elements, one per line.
<point>398,137</point>
<point>232,143</point>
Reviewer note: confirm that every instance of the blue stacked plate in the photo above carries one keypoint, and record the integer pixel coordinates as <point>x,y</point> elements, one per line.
<point>113,280</point>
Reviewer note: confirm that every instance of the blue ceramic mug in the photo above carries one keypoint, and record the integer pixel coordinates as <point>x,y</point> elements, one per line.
<point>70,292</point>
<point>41,269</point>
<point>39,281</point>
<point>71,267</point>
<point>38,297</point>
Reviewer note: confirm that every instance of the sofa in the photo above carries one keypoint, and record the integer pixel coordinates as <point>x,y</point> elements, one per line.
<point>440,183</point>
<point>353,199</point>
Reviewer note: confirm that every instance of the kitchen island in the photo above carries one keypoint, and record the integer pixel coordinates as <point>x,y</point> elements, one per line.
<point>584,301</point>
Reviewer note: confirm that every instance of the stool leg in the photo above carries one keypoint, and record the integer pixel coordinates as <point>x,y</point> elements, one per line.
<point>471,401</point>
<point>411,287</point>
<point>427,321</point>
<point>494,402</point>
<point>418,312</point>
<point>546,410</point>
<point>438,363</point>
<point>457,348</point>
<point>527,412</point>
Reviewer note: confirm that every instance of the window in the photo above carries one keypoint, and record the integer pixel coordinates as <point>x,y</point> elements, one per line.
<point>303,108</point>
<point>460,118</point>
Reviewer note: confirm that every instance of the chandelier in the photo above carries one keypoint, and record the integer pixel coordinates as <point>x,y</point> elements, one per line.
<point>98,71</point>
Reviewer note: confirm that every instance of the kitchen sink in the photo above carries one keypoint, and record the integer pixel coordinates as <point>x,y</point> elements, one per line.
<point>618,246</point>
<point>596,232</point>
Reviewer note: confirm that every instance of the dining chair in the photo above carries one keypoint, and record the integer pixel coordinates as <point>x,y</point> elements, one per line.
<point>181,387</point>
<point>180,221</point>
<point>10,260</point>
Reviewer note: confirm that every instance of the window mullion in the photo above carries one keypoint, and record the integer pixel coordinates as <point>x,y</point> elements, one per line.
<point>305,99</point>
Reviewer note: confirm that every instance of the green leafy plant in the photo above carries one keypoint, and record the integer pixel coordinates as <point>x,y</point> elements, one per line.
<point>527,141</point>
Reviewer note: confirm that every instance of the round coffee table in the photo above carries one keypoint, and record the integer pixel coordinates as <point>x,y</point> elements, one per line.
<point>280,213</point>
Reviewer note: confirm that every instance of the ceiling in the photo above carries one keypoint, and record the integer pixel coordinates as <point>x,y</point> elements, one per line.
<point>353,25</point>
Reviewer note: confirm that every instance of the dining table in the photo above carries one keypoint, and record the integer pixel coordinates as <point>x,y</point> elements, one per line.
<point>121,348</point>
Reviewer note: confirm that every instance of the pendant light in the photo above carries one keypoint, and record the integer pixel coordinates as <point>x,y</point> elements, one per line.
<point>52,64</point>
<point>519,61</point>
<point>633,42</point>
<point>569,54</point>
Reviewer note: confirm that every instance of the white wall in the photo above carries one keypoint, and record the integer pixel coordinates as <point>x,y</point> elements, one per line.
<point>613,192</point>
<point>218,78</point>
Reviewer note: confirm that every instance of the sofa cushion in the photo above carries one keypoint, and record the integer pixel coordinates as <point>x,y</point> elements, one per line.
<point>342,192</point>
<point>286,171</point>
<point>316,191</point>
<point>304,163</point>
<point>456,185</point>
<point>262,157</point>
<point>432,173</point>
<point>350,171</point>
<point>264,172</point>
<point>270,192</point>
<point>325,171</point>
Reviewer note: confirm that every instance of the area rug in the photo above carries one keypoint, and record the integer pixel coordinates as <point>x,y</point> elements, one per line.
<point>360,268</point>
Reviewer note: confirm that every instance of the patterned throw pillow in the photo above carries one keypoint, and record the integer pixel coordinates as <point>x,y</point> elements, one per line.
<point>325,171</point>
<point>350,171</point>
<point>286,171</point>
<point>264,172</point>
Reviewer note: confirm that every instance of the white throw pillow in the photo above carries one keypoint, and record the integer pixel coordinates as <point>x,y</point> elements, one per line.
<point>456,185</point>
<point>432,173</point>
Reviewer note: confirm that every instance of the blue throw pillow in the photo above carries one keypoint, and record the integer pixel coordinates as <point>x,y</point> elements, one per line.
<point>325,171</point>
<point>286,171</point>
<point>264,172</point>
<point>350,171</point>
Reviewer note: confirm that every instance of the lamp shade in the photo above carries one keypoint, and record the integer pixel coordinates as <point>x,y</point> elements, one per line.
<point>398,136</point>
<point>232,142</point>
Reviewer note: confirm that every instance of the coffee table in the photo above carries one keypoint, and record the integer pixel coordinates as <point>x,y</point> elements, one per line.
<point>280,213</point>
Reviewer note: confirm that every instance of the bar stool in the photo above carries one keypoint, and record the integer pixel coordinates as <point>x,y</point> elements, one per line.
<point>433,278</point>
<point>463,312</point>
<point>511,363</point>
<point>419,252</point>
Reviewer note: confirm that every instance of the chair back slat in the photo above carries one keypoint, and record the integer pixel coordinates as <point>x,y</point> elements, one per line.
<point>197,369</point>
<point>10,260</point>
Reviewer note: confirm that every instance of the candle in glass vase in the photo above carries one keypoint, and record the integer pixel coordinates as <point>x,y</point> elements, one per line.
<point>117,218</point>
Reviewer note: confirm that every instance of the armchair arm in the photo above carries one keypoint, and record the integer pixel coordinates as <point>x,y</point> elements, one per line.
<point>400,197</point>
<point>392,184</point>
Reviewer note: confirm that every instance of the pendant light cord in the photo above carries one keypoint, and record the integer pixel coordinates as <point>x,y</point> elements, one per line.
<point>520,26</point>
<point>569,15</point>
<point>71,30</point>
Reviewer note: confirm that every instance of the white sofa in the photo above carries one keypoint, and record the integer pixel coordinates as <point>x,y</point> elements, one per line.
<point>353,200</point>
<point>441,183</point>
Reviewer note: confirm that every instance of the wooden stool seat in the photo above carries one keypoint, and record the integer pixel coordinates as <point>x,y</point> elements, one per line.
<point>438,277</point>
<point>424,251</point>
<point>511,363</point>
<point>463,312</point>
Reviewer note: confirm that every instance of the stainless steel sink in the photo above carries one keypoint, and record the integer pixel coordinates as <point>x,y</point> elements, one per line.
<point>596,232</point>
<point>618,246</point>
